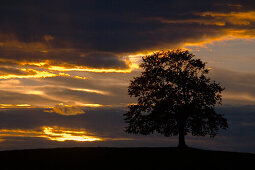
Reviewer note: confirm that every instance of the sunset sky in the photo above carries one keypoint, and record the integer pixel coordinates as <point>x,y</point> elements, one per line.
<point>65,67</point>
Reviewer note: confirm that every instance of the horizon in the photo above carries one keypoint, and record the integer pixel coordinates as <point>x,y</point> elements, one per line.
<point>65,68</point>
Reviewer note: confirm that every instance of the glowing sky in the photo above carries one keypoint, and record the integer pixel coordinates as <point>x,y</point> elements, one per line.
<point>70,58</point>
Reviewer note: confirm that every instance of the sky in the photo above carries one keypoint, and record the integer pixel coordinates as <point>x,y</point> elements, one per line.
<point>65,67</point>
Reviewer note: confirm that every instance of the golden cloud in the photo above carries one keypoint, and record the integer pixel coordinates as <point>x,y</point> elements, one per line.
<point>29,73</point>
<point>213,18</point>
<point>92,105</point>
<point>91,91</point>
<point>4,106</point>
<point>234,18</point>
<point>15,87</point>
<point>240,26</point>
<point>52,65</point>
<point>52,133</point>
<point>62,109</point>
<point>45,67</point>
<point>66,110</point>
<point>63,134</point>
<point>228,34</point>
<point>24,73</point>
<point>95,70</point>
<point>201,21</point>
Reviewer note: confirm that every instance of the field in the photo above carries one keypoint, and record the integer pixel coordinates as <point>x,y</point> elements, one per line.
<point>125,158</point>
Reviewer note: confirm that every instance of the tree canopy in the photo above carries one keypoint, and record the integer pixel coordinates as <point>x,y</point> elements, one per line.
<point>174,97</point>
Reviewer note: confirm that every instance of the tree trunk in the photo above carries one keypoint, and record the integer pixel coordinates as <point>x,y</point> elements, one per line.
<point>181,139</point>
<point>182,143</point>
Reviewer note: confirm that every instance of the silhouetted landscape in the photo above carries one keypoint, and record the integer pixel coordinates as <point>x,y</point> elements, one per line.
<point>125,158</point>
<point>135,84</point>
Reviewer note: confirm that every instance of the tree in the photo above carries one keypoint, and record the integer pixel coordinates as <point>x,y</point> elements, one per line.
<point>174,97</point>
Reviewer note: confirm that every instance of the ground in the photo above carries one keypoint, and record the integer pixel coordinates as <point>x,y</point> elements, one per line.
<point>125,158</point>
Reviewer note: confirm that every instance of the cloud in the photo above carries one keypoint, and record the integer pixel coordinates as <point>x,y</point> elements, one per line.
<point>15,71</point>
<point>51,133</point>
<point>16,52</point>
<point>237,18</point>
<point>233,18</point>
<point>16,98</point>
<point>66,110</point>
<point>108,123</point>
<point>8,73</point>
<point>103,88</point>
<point>110,89</point>
<point>239,85</point>
<point>85,35</point>
<point>9,68</point>
<point>95,91</point>
<point>103,60</point>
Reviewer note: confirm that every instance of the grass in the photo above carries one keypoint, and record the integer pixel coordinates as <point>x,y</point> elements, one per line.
<point>125,158</point>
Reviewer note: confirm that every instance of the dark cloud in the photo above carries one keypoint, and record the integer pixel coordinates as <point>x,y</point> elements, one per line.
<point>109,123</point>
<point>103,60</point>
<point>61,57</point>
<point>67,29</point>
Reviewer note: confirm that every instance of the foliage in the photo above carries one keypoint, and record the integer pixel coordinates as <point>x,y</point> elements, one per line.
<point>174,96</point>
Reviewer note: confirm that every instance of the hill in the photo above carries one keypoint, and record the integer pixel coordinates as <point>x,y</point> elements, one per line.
<point>125,158</point>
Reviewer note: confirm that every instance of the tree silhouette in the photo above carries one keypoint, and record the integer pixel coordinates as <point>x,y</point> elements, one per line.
<point>174,97</point>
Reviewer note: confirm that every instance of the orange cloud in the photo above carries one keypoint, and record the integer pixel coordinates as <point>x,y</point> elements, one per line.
<point>201,21</point>
<point>53,68</point>
<point>29,73</point>
<point>66,67</point>
<point>92,105</point>
<point>228,34</point>
<point>234,18</point>
<point>91,91</point>
<point>52,133</point>
<point>23,73</point>
<point>61,108</point>
<point>95,70</point>
<point>240,26</point>
<point>3,106</point>
<point>63,134</point>
<point>219,19</point>
<point>67,110</point>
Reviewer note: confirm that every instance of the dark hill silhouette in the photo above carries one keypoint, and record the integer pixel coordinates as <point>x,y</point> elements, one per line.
<point>125,158</point>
